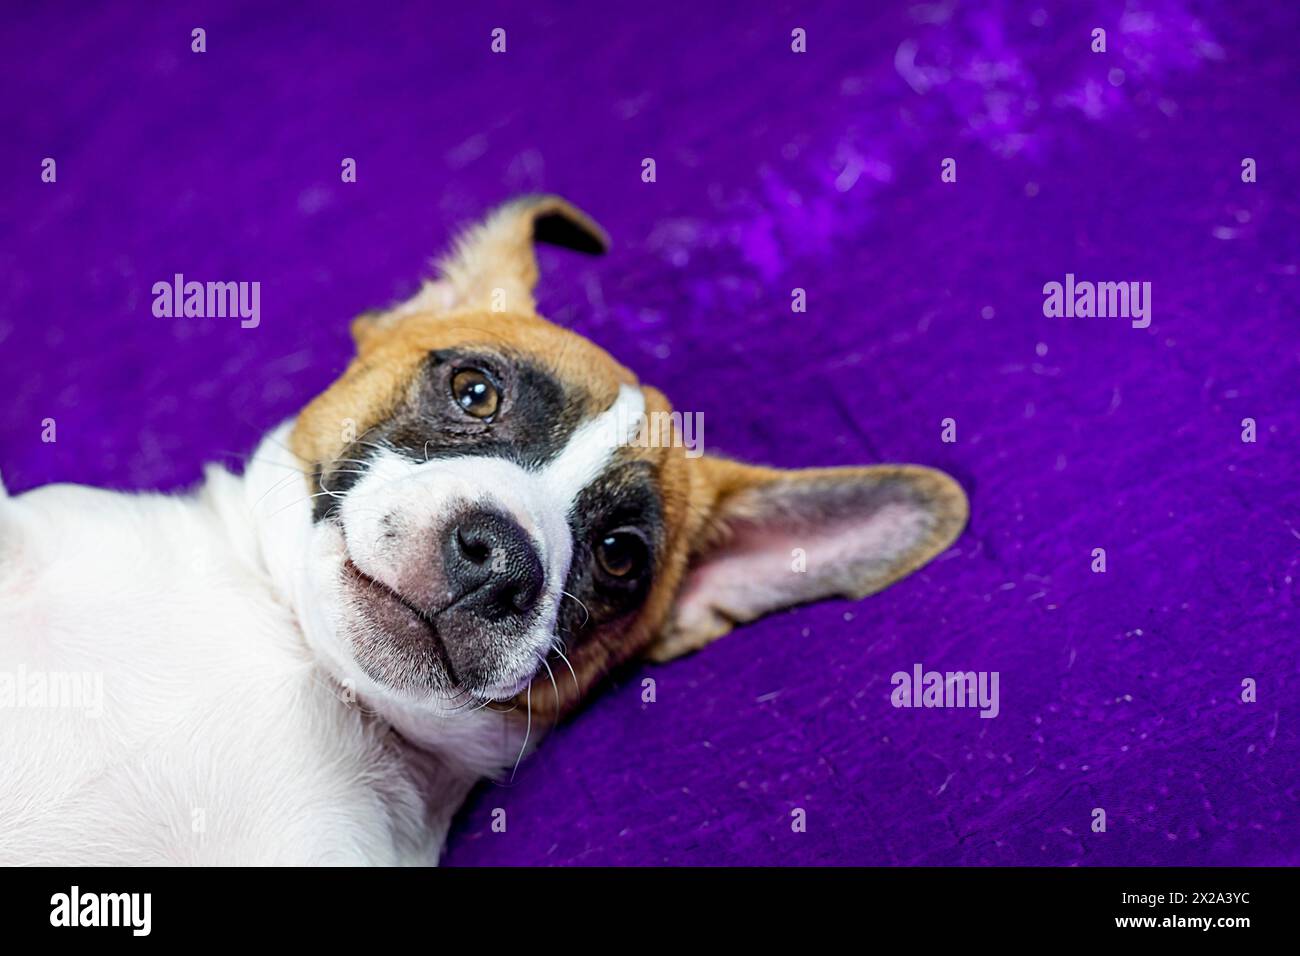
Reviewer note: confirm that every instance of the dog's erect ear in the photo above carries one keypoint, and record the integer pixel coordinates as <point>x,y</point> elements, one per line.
<point>774,539</point>
<point>492,265</point>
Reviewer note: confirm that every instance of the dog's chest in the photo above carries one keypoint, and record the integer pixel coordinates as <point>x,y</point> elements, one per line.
<point>158,706</point>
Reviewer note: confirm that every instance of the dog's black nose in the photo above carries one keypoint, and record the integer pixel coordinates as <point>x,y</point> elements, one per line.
<point>493,571</point>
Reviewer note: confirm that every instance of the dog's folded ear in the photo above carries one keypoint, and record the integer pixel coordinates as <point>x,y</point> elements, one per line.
<point>492,265</point>
<point>774,539</point>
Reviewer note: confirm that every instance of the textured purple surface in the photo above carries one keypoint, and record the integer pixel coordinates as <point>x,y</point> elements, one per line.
<point>775,170</point>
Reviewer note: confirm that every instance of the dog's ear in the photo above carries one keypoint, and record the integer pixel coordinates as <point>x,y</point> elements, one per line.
<point>492,265</point>
<point>773,539</point>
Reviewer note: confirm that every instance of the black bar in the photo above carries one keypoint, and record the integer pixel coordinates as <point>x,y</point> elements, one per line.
<point>514,906</point>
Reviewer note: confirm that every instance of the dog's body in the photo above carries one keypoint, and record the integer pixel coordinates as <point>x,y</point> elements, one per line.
<point>307,663</point>
<point>220,738</point>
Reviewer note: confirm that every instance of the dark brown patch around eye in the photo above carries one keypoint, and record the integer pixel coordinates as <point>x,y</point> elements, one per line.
<point>475,393</point>
<point>624,499</point>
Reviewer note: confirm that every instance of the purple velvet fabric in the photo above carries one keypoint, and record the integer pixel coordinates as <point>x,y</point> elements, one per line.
<point>775,170</point>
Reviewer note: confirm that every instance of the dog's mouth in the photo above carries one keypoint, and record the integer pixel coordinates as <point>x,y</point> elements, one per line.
<point>409,650</point>
<point>410,631</point>
<point>377,590</point>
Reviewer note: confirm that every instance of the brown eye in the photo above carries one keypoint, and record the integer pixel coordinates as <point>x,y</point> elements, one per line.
<point>475,393</point>
<point>622,554</point>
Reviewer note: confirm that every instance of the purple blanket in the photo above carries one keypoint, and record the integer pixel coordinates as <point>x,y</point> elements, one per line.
<point>775,170</point>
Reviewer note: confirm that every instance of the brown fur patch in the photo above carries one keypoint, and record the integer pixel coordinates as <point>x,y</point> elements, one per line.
<point>378,378</point>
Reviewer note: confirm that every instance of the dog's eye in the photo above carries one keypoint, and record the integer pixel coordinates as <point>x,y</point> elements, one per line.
<point>474,392</point>
<point>622,554</point>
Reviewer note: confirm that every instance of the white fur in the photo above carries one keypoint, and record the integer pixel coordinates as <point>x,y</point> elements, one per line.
<point>592,444</point>
<point>222,737</point>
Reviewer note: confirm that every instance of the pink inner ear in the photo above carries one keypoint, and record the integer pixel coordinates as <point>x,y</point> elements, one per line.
<point>754,572</point>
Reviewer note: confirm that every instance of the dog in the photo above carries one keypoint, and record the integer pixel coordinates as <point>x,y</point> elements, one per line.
<point>315,661</point>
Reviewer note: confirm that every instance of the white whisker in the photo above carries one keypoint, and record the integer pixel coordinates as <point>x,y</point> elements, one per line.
<point>565,593</point>
<point>554,686</point>
<point>576,685</point>
<point>527,732</point>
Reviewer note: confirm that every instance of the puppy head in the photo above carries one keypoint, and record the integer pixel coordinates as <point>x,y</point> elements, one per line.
<point>489,514</point>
